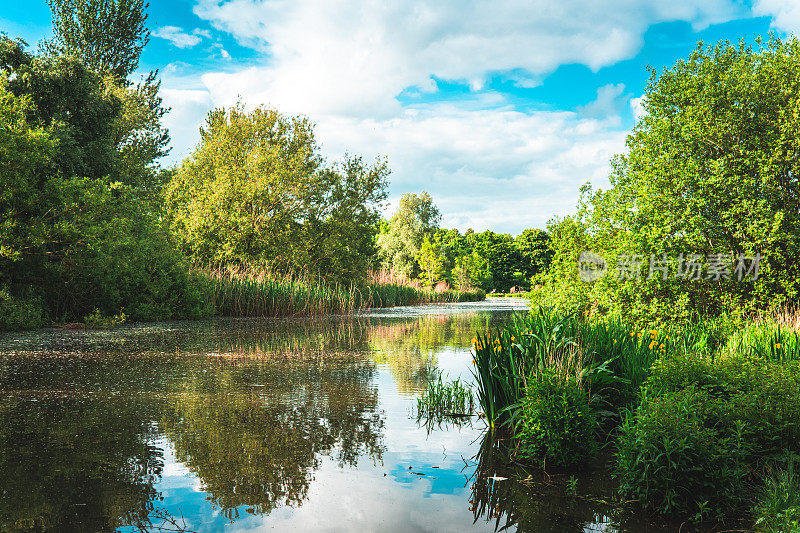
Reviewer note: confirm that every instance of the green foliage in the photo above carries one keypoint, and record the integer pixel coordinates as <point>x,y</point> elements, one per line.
<point>444,399</point>
<point>695,443</point>
<point>19,313</point>
<point>778,510</point>
<point>688,184</point>
<point>401,242</point>
<point>765,339</point>
<point>107,35</point>
<point>70,238</point>
<point>97,320</point>
<point>255,193</point>
<point>245,294</point>
<point>557,423</point>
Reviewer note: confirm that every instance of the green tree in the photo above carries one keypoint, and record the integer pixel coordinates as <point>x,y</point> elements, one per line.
<point>107,35</point>
<point>71,238</point>
<point>535,251</point>
<point>416,217</point>
<point>431,262</point>
<point>711,168</point>
<point>256,192</point>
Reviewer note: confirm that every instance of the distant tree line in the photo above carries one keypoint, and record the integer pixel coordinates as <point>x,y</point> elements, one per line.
<point>412,244</point>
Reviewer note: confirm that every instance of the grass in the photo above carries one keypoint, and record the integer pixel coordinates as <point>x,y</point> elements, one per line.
<point>445,399</point>
<point>779,508</point>
<point>244,293</point>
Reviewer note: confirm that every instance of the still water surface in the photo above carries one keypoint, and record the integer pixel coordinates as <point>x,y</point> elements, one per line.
<point>256,424</point>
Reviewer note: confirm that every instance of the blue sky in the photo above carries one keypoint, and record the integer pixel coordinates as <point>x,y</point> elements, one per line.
<point>501,110</point>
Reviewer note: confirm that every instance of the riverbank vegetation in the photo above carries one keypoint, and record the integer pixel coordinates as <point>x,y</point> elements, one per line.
<point>685,387</point>
<point>93,227</point>
<point>701,420</point>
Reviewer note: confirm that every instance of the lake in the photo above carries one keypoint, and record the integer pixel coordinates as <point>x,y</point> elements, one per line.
<point>261,424</point>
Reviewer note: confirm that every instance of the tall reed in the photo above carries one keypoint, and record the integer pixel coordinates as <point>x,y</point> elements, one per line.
<point>238,292</point>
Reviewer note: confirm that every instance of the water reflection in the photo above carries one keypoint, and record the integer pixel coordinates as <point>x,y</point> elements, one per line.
<point>252,423</point>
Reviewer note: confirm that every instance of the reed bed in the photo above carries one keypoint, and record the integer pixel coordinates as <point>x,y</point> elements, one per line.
<point>246,294</point>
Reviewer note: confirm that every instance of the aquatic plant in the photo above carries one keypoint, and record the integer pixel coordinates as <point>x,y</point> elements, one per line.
<point>445,399</point>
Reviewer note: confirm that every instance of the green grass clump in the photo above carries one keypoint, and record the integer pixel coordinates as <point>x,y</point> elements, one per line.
<point>778,510</point>
<point>445,399</point>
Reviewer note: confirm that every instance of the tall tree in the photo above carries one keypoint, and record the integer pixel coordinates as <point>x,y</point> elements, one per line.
<point>108,35</point>
<point>256,192</point>
<point>416,217</point>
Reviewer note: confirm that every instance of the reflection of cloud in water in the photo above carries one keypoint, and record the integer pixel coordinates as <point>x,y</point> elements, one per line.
<point>296,423</point>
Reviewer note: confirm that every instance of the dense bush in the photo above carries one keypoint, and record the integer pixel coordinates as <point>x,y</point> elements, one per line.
<point>19,313</point>
<point>696,444</point>
<point>557,425</point>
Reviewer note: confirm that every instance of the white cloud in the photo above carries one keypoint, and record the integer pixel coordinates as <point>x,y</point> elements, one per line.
<point>637,108</point>
<point>785,13</point>
<point>607,104</point>
<point>355,58</point>
<point>486,169</point>
<point>488,166</point>
<point>180,38</point>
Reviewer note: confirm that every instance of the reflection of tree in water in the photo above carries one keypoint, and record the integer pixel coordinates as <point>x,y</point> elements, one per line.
<point>409,347</point>
<point>254,433</point>
<point>71,463</point>
<point>250,405</point>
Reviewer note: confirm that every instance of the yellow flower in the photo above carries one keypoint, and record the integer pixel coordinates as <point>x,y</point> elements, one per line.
<point>639,334</point>
<point>513,339</point>
<point>615,341</point>
<point>654,332</point>
<point>778,346</point>
<point>662,346</point>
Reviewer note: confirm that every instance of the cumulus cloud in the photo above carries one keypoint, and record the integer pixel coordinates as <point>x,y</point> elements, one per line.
<point>355,58</point>
<point>785,13</point>
<point>180,38</point>
<point>344,64</point>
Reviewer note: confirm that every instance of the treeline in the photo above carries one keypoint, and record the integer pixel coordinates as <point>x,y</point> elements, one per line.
<point>92,226</point>
<point>411,244</point>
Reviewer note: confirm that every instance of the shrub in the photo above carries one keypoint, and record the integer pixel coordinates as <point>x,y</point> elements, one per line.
<point>556,425</point>
<point>695,445</point>
<point>19,313</point>
<point>97,320</point>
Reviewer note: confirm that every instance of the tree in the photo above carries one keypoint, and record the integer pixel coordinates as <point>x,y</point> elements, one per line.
<point>108,35</point>
<point>431,262</point>
<point>416,217</point>
<point>255,192</point>
<point>712,167</point>
<point>71,238</point>
<point>534,248</point>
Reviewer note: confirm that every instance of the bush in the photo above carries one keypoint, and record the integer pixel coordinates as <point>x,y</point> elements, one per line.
<point>556,424</point>
<point>695,445</point>
<point>19,313</point>
<point>97,320</point>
